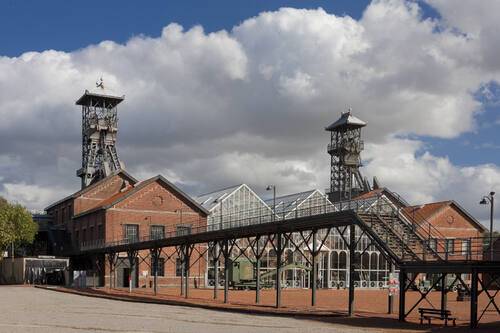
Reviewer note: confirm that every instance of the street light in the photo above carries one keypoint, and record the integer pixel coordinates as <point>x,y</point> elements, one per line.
<point>484,201</point>
<point>273,187</point>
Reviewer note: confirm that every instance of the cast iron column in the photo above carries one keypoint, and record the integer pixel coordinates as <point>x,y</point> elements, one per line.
<point>226,271</point>
<point>216,268</point>
<point>314,272</point>
<point>186,270</point>
<point>278,271</point>
<point>257,286</point>
<point>473,299</point>
<point>402,293</point>
<point>352,249</point>
<point>390,303</point>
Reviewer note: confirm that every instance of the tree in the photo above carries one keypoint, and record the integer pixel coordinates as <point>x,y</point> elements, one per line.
<point>16,224</point>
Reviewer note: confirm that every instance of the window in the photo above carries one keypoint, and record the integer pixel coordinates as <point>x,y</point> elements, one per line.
<point>183,230</point>
<point>161,267</point>
<point>84,235</point>
<point>131,233</point>
<point>178,267</point>
<point>433,244</point>
<point>77,237</point>
<point>466,248</point>
<point>157,232</point>
<point>450,246</point>
<point>91,235</point>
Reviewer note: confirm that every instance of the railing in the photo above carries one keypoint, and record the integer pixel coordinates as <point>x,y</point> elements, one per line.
<point>373,206</point>
<point>235,220</point>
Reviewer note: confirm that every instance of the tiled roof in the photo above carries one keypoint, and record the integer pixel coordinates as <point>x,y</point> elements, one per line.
<point>91,186</point>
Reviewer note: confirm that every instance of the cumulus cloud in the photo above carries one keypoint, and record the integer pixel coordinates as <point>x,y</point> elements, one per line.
<point>249,105</point>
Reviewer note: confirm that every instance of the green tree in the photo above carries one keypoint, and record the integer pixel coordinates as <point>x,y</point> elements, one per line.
<point>16,224</point>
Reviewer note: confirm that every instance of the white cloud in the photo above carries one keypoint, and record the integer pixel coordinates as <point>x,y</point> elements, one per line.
<point>249,105</point>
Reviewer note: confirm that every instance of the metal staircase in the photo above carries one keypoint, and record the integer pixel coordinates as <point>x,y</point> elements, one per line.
<point>403,237</point>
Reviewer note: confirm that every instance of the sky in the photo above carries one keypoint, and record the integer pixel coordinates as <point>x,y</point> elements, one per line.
<point>226,92</point>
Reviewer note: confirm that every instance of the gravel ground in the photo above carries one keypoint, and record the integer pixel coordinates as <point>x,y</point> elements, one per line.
<point>26,309</point>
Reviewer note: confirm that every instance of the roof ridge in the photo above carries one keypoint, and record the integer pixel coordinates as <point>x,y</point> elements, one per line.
<point>219,190</point>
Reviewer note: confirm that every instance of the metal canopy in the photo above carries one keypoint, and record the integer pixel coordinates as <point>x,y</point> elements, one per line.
<point>99,100</point>
<point>346,120</point>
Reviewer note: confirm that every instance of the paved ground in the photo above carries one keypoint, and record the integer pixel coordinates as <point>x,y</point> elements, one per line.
<point>25,309</point>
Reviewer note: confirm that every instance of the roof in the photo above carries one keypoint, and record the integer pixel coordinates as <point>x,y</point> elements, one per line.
<point>92,186</point>
<point>427,211</point>
<point>289,202</point>
<point>393,196</point>
<point>346,120</point>
<point>210,200</point>
<point>117,198</point>
<point>103,100</point>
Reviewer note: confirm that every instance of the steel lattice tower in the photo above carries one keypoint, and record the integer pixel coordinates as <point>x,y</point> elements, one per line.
<point>345,150</point>
<point>99,130</point>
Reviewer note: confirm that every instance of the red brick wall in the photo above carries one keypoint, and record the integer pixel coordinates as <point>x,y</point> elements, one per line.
<point>152,205</point>
<point>451,223</point>
<point>108,187</point>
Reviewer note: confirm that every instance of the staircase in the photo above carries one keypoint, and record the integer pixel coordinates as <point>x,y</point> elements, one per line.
<point>402,240</point>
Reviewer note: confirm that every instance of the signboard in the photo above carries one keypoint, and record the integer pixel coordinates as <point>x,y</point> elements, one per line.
<point>393,284</point>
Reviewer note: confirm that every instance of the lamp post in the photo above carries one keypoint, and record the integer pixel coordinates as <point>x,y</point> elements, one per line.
<point>484,201</point>
<point>273,187</point>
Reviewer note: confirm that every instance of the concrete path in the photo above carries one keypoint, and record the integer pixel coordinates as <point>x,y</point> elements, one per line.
<point>26,309</point>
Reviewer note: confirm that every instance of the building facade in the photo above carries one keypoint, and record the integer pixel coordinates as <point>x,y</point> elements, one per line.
<point>119,208</point>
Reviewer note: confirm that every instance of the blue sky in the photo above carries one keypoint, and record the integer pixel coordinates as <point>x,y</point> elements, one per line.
<point>300,89</point>
<point>68,25</point>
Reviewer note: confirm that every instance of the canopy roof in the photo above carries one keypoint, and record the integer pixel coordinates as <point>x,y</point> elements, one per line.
<point>346,120</point>
<point>100,100</point>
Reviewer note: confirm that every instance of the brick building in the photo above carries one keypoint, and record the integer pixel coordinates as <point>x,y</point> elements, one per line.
<point>457,232</point>
<point>119,207</point>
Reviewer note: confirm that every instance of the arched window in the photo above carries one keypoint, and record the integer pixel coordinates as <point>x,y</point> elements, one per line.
<point>334,259</point>
<point>373,260</point>
<point>343,260</point>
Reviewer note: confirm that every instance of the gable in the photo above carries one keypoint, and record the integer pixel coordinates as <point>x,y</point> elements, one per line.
<point>107,188</point>
<point>154,197</point>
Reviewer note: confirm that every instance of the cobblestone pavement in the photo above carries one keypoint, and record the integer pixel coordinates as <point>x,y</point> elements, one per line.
<point>26,309</point>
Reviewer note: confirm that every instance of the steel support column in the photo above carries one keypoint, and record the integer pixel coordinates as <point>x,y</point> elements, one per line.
<point>257,258</point>
<point>187,255</point>
<point>402,294</point>
<point>473,299</point>
<point>226,271</point>
<point>279,251</point>
<point>352,249</point>
<point>132,256</point>
<point>314,271</point>
<point>183,268</point>
<point>155,254</point>
<point>390,301</point>
<point>216,268</point>
<point>444,290</point>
